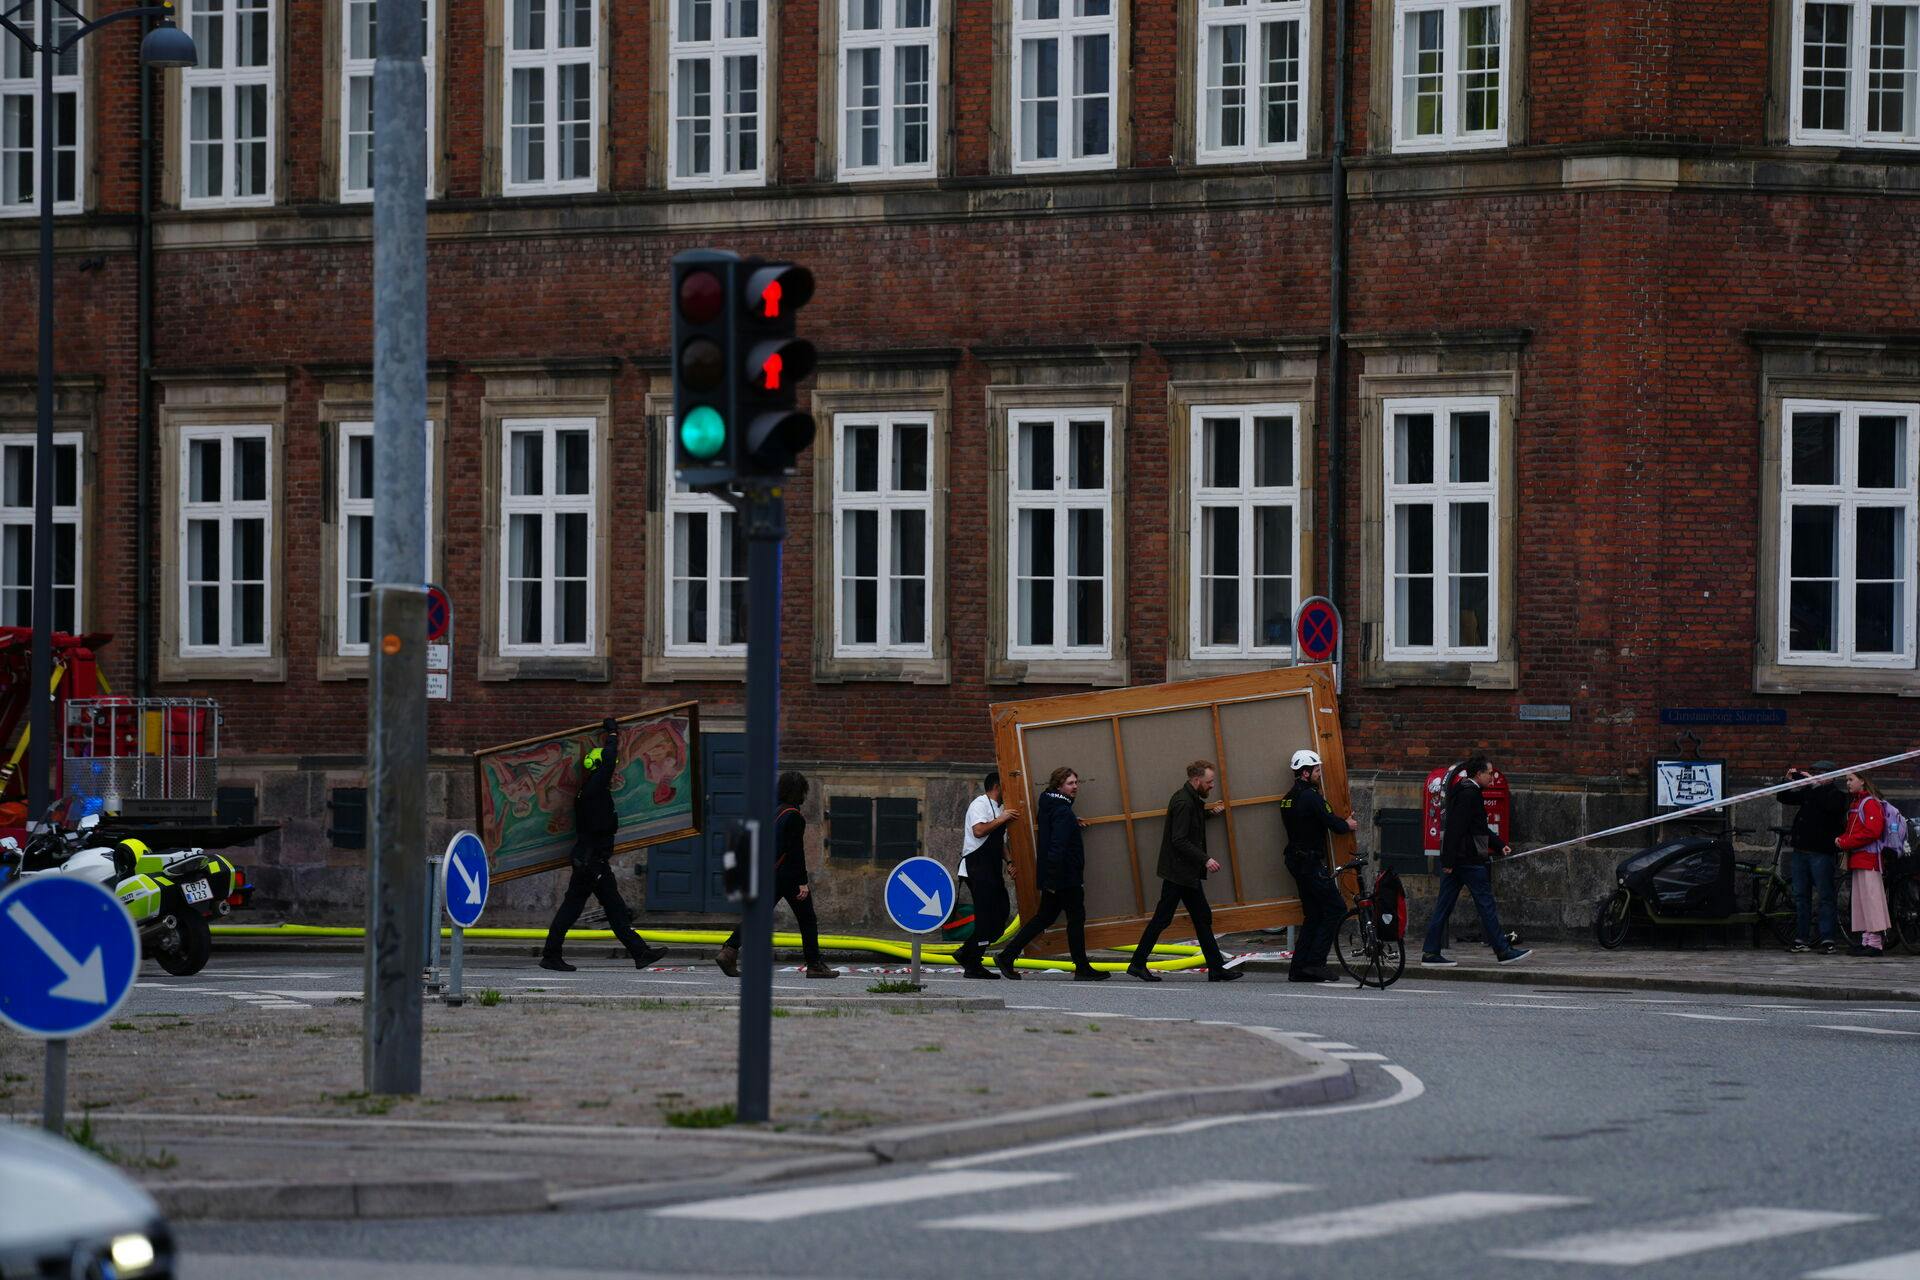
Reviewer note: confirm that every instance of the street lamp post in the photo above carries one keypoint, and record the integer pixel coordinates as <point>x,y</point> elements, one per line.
<point>164,46</point>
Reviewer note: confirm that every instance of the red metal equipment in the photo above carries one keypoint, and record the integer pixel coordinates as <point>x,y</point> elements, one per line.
<point>76,674</point>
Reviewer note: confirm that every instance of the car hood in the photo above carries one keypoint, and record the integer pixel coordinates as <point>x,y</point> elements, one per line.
<point>56,1192</point>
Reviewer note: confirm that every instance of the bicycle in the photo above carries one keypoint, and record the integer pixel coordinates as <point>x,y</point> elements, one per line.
<point>1765,898</point>
<point>1369,956</point>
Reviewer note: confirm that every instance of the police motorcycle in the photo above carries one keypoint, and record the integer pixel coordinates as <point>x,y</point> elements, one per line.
<point>171,895</point>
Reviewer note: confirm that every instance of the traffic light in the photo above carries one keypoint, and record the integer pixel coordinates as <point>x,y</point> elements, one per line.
<point>705,301</point>
<point>771,361</point>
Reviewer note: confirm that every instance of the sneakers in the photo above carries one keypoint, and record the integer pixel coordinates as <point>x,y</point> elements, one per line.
<point>1514,956</point>
<point>556,964</point>
<point>1436,960</point>
<point>1798,948</point>
<point>1224,975</point>
<point>729,961</point>
<point>1313,975</point>
<point>1828,947</point>
<point>1143,973</point>
<point>820,969</point>
<point>978,970</point>
<point>651,956</point>
<point>1091,975</point>
<point>1004,963</point>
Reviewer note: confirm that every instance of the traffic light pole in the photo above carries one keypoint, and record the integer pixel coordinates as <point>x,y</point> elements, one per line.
<point>763,510</point>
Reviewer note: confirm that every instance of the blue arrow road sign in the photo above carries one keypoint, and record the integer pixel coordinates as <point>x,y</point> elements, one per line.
<point>70,954</point>
<point>919,895</point>
<point>464,879</point>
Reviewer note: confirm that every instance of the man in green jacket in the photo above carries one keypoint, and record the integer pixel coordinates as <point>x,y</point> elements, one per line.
<point>1184,864</point>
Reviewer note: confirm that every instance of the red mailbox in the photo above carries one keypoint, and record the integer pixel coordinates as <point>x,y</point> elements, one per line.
<point>1497,796</point>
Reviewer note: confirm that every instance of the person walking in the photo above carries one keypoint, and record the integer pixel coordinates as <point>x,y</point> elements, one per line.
<point>789,880</point>
<point>983,861</point>
<point>1309,821</point>
<point>595,823</point>
<point>1466,856</point>
<point>1866,828</point>
<point>1183,868</point>
<point>1061,869</point>
<point>1819,820</point>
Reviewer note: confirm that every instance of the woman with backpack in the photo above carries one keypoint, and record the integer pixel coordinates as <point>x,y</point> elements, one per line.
<point>1866,832</point>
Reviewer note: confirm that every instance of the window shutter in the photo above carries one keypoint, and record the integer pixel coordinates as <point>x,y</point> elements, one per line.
<point>850,827</point>
<point>896,828</point>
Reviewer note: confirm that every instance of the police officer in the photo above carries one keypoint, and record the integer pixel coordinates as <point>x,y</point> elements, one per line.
<point>1309,821</point>
<point>594,824</point>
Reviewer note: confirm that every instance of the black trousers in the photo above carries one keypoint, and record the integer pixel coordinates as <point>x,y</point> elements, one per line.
<point>802,909</point>
<point>990,912</point>
<point>594,880</point>
<point>1073,901</point>
<point>1320,897</point>
<point>1172,898</point>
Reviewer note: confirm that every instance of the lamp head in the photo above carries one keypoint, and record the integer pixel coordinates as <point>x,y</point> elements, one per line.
<point>168,46</point>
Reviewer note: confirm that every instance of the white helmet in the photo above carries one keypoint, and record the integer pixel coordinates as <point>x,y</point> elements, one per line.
<point>1305,759</point>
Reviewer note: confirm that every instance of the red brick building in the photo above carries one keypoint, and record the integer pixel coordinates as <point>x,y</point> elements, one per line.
<point>1627,416</point>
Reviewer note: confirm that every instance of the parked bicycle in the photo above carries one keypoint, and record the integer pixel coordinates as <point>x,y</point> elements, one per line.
<point>1696,880</point>
<point>1371,938</point>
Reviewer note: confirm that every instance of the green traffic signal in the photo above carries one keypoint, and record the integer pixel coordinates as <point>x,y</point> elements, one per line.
<point>704,432</point>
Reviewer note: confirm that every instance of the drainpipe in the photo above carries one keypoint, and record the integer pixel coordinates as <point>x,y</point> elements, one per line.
<point>143,413</point>
<point>1337,302</point>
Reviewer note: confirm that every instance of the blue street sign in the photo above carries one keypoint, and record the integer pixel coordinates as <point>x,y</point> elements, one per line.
<point>919,895</point>
<point>71,956</point>
<point>464,880</point>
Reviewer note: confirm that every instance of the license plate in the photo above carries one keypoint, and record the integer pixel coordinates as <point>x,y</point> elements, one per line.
<point>197,891</point>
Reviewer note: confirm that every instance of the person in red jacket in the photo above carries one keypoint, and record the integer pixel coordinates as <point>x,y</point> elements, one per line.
<point>1866,825</point>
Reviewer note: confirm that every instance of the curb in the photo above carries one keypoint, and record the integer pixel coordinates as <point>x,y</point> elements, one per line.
<point>640,1195</point>
<point>482,1193</point>
<point>1522,976</point>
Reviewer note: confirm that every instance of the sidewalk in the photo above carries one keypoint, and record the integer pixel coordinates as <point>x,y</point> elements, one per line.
<point>601,1101</point>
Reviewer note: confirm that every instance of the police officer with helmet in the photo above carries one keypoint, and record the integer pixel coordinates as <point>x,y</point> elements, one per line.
<point>595,822</point>
<point>1309,821</point>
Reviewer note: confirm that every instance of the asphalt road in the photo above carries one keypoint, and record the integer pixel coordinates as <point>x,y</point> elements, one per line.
<point>1502,1130</point>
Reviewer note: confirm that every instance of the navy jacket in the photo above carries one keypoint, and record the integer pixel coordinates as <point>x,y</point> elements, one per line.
<point>1469,840</point>
<point>1061,857</point>
<point>1820,817</point>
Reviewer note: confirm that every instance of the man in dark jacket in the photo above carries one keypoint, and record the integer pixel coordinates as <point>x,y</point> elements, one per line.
<point>1060,865</point>
<point>1309,821</point>
<point>1466,856</point>
<point>595,823</point>
<point>1819,820</point>
<point>1184,864</point>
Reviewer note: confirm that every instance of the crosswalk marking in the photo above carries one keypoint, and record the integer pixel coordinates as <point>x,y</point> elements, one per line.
<point>1703,1017</point>
<point>1390,1218</point>
<point>782,1206</point>
<point>1871,1031</point>
<point>1331,1044</point>
<point>1359,1056</point>
<point>1633,1246</point>
<point>1898,1266</point>
<point>1164,1200</point>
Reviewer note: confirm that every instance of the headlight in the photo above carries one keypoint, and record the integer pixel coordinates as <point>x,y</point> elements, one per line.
<point>132,1254</point>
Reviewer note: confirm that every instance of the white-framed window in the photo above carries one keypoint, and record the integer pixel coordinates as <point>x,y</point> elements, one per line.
<point>354,487</point>
<point>718,56</point>
<point>1849,526</point>
<point>1060,500</point>
<point>1856,72</point>
<point>882,531</point>
<point>1253,80</point>
<point>226,532</point>
<point>1245,522</point>
<point>357,28</point>
<point>549,576</point>
<point>1442,531</point>
<point>227,118</point>
<point>1065,67</point>
<point>17,454</point>
<point>552,95</point>
<point>1450,70</point>
<point>20,119</point>
<point>707,580</point>
<point>888,69</point>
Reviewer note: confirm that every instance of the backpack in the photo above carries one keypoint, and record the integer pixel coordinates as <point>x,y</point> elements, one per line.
<point>1893,842</point>
<point>1390,907</point>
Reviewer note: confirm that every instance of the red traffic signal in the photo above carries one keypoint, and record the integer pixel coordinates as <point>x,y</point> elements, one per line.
<point>774,292</point>
<point>774,366</point>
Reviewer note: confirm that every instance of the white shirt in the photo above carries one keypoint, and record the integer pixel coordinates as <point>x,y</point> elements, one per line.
<point>983,809</point>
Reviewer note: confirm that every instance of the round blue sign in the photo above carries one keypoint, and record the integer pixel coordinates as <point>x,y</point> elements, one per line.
<point>71,955</point>
<point>919,895</point>
<point>1317,629</point>
<point>464,879</point>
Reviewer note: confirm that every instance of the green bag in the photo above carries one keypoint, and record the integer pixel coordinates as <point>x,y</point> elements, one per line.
<point>959,925</point>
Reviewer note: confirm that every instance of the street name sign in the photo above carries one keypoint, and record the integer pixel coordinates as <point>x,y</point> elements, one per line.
<point>464,880</point>
<point>919,895</point>
<point>71,955</point>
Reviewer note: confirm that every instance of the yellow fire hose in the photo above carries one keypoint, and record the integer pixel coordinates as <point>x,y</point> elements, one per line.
<point>1179,956</point>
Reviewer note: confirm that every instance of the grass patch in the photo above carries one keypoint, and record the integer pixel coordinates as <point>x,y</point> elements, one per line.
<point>979,1088</point>
<point>782,1013</point>
<point>1065,1031</point>
<point>367,1104</point>
<point>834,1013</point>
<point>1093,1026</point>
<point>1099,1093</point>
<point>313,1031</point>
<point>702,1117</point>
<point>499,1097</point>
<point>895,987</point>
<point>591,1104</point>
<point>236,1097</point>
<point>926,1048</point>
<point>488,998</point>
<point>82,1135</point>
<point>122,1026</point>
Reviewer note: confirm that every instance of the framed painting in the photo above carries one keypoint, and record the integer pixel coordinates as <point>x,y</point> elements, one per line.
<point>524,790</point>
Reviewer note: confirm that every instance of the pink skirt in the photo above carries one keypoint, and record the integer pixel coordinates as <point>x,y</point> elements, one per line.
<point>1869,902</point>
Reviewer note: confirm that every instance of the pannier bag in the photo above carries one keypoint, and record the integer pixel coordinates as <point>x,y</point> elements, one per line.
<point>1390,906</point>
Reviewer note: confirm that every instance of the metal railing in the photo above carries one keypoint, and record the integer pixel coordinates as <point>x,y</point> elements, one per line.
<point>130,751</point>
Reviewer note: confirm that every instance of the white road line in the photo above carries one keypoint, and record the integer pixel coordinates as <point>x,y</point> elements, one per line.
<point>1510,1004</point>
<point>1356,1056</point>
<point>1897,1266</point>
<point>1634,1246</point>
<point>1165,1200</point>
<point>1330,1044</point>
<point>783,1206</point>
<point>294,994</point>
<point>1371,1221</point>
<point>1702,1017</point>
<point>1868,1031</point>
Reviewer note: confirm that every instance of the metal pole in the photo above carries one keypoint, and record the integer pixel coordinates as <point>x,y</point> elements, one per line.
<point>143,412</point>
<point>456,993</point>
<point>53,1099</point>
<point>39,726</point>
<point>398,720</point>
<point>916,959</point>
<point>435,887</point>
<point>765,513</point>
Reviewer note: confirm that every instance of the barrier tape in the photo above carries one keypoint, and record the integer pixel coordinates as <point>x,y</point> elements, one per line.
<point>1716,805</point>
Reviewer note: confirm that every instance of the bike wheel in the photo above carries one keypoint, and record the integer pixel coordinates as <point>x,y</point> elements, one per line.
<point>1389,962</point>
<point>1350,944</point>
<point>1903,909</point>
<point>1775,910</point>
<point>1611,923</point>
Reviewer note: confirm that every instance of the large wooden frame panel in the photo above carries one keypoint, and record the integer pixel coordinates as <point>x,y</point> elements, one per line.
<point>1131,747</point>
